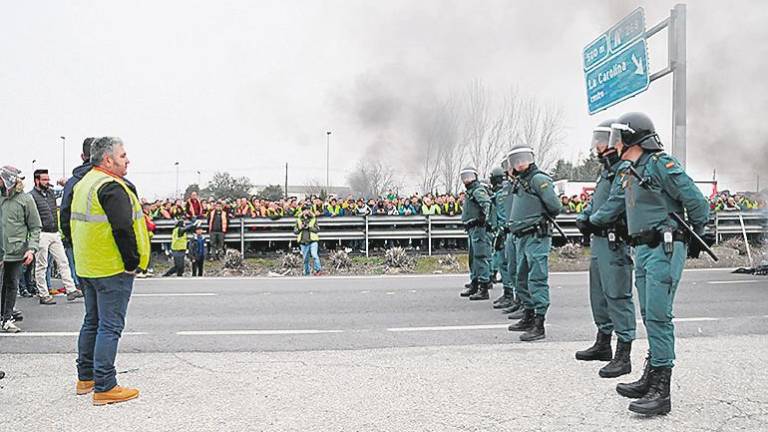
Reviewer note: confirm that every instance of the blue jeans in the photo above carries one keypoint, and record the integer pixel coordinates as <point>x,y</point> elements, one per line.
<point>106,302</point>
<point>306,251</point>
<point>71,258</point>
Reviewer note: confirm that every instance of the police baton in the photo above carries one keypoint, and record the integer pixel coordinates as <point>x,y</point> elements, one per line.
<point>557,227</point>
<point>702,244</point>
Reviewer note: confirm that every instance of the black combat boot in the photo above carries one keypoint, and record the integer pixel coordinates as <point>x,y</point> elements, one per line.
<point>482,291</point>
<point>656,400</point>
<point>471,289</point>
<point>621,363</point>
<point>536,332</point>
<point>636,390</point>
<point>525,323</point>
<point>600,350</point>
<point>506,300</point>
<point>516,305</point>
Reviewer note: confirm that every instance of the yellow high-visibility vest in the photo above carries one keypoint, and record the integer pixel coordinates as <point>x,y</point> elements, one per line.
<point>94,246</point>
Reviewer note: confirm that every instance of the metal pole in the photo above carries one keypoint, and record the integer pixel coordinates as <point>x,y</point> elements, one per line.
<point>286,181</point>
<point>429,235</point>
<point>328,163</point>
<point>677,59</point>
<point>366,236</point>
<point>242,237</point>
<point>177,179</point>
<point>63,156</point>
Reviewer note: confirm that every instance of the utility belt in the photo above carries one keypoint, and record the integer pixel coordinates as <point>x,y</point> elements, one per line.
<point>541,229</point>
<point>474,223</point>
<point>615,237</point>
<point>653,238</point>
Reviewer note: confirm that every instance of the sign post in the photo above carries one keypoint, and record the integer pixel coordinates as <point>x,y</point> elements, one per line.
<point>616,67</point>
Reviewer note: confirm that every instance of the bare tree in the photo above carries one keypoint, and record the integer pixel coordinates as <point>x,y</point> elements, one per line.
<point>372,179</point>
<point>314,187</point>
<point>450,152</point>
<point>476,123</point>
<point>541,127</point>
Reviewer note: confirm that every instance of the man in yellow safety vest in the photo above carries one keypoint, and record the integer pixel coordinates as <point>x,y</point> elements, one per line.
<point>110,244</point>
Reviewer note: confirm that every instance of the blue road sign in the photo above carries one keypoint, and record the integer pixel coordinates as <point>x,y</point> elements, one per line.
<point>615,39</point>
<point>621,76</point>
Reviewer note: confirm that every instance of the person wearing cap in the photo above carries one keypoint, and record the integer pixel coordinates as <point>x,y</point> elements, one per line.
<point>307,237</point>
<point>610,268</point>
<point>111,244</point>
<point>50,241</point>
<point>535,202</point>
<point>21,237</point>
<point>475,217</point>
<point>179,246</point>
<point>655,187</point>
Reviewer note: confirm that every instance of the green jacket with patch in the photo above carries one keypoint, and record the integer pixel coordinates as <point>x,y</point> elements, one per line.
<point>477,204</point>
<point>534,197</point>
<point>667,189</point>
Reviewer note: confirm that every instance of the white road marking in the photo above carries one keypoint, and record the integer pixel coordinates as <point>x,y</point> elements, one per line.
<point>174,295</point>
<point>746,281</point>
<point>448,328</point>
<point>59,334</point>
<point>692,319</point>
<point>254,332</point>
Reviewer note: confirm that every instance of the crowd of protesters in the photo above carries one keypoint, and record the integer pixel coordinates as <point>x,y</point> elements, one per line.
<point>389,205</point>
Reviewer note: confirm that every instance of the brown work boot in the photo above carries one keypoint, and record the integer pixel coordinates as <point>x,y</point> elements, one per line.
<point>84,387</point>
<point>117,394</point>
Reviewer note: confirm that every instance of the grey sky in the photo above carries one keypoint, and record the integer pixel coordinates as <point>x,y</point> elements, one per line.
<point>246,86</point>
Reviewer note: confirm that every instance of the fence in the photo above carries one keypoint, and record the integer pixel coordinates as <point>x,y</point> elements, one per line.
<point>367,229</point>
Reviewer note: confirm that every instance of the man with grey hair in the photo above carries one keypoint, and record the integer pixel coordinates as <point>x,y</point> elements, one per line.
<point>111,244</point>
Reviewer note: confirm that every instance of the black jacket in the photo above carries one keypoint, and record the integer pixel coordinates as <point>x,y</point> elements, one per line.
<point>45,201</point>
<point>66,202</point>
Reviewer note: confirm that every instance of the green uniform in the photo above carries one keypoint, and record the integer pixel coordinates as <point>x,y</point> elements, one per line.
<point>502,202</point>
<point>477,209</point>
<point>610,268</point>
<point>667,189</point>
<point>534,197</point>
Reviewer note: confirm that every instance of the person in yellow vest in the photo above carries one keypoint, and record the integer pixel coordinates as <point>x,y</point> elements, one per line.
<point>110,244</point>
<point>307,236</point>
<point>179,246</point>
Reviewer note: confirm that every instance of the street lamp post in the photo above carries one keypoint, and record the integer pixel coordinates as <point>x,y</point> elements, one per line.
<point>63,156</point>
<point>177,179</point>
<point>327,162</point>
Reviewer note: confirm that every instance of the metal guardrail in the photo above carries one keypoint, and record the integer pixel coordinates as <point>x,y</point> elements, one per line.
<point>369,229</point>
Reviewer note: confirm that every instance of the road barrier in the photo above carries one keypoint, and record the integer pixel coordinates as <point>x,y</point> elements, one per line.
<point>428,230</point>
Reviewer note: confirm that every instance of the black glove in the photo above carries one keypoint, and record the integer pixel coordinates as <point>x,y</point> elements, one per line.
<point>586,227</point>
<point>498,244</point>
<point>481,220</point>
<point>694,249</point>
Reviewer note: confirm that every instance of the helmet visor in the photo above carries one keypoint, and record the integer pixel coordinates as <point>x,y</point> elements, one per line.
<point>468,176</point>
<point>616,130</point>
<point>600,137</point>
<point>516,157</point>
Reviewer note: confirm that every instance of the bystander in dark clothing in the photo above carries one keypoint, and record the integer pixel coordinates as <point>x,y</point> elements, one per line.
<point>196,248</point>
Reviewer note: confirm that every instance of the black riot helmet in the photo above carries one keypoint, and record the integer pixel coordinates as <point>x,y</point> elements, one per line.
<point>635,129</point>
<point>497,176</point>
<point>468,175</point>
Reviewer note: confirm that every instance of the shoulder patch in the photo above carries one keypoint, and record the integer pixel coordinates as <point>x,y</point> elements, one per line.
<point>545,185</point>
<point>670,164</point>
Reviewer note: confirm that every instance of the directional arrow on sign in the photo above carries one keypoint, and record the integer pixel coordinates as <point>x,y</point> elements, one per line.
<point>638,65</point>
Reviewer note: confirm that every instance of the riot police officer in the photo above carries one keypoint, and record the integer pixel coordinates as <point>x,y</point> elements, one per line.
<point>655,186</point>
<point>533,205</point>
<point>501,192</point>
<point>475,215</point>
<point>610,269</point>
